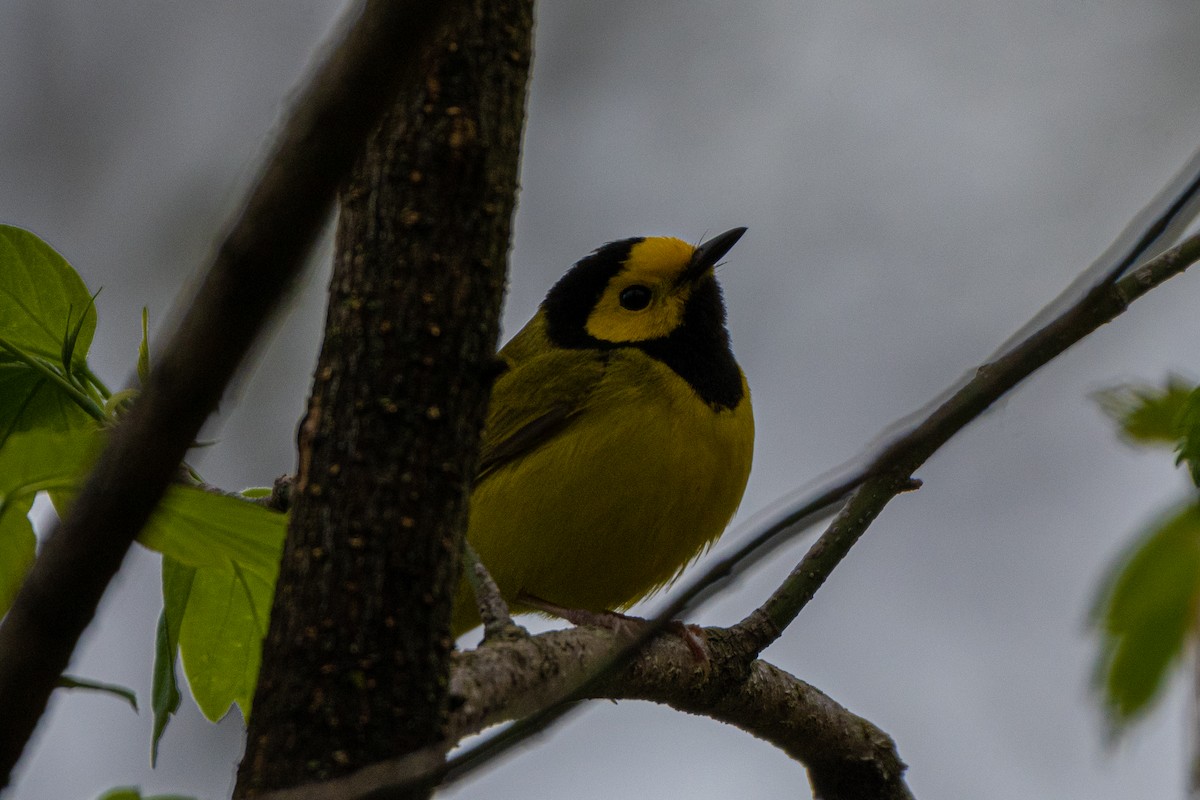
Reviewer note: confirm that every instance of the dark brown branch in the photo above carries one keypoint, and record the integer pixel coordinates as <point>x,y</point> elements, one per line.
<point>252,270</point>
<point>356,661</point>
<point>847,758</point>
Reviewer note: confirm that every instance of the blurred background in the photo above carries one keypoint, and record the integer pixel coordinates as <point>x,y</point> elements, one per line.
<point>919,177</point>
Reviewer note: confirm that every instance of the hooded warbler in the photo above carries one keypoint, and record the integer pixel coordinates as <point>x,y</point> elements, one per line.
<point>619,436</point>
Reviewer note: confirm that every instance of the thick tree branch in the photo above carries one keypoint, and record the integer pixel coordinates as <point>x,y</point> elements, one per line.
<point>356,660</point>
<point>847,757</point>
<point>252,270</point>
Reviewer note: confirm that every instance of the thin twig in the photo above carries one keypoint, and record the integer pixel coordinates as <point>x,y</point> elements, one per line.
<point>826,553</point>
<point>493,611</point>
<point>893,467</point>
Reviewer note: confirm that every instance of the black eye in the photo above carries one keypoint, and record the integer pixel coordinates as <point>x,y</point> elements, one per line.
<point>635,298</point>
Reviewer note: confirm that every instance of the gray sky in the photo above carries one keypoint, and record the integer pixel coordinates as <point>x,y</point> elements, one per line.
<point>918,177</point>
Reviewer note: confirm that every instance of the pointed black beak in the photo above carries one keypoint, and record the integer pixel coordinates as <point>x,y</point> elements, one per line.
<point>709,253</point>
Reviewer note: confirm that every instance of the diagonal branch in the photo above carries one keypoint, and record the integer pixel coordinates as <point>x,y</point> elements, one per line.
<point>263,252</point>
<point>847,757</point>
<point>890,472</point>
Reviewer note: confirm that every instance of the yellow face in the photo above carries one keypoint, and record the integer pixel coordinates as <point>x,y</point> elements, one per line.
<point>646,299</point>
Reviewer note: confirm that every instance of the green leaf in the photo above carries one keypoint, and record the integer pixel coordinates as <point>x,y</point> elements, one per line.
<point>199,528</point>
<point>1188,450</point>
<point>71,334</point>
<point>40,460</point>
<point>1146,414</point>
<point>221,638</point>
<point>30,400</point>
<point>47,320</point>
<point>1146,613</point>
<point>38,289</point>
<point>135,793</point>
<point>165,697</point>
<point>121,692</point>
<point>143,356</point>
<point>17,545</point>
<point>218,584</point>
<point>32,462</point>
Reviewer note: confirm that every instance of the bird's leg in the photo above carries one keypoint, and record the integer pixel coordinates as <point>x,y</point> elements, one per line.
<point>621,624</point>
<point>609,620</point>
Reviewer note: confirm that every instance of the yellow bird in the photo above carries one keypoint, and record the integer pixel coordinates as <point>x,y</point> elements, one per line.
<point>619,437</point>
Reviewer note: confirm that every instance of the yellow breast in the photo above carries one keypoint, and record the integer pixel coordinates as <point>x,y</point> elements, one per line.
<point>613,507</point>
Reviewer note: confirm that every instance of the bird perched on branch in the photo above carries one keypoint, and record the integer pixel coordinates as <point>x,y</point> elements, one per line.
<point>619,436</point>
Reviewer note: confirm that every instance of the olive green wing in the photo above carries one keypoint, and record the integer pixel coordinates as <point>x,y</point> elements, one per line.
<point>535,399</point>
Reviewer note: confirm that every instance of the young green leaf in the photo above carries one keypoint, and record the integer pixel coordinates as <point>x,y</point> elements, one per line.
<point>1147,414</point>
<point>221,560</point>
<point>17,545</point>
<point>1146,613</point>
<point>71,335</point>
<point>47,320</point>
<point>143,356</point>
<point>221,638</point>
<point>1188,450</point>
<point>32,462</point>
<point>135,793</point>
<point>123,793</point>
<point>204,529</point>
<point>31,399</point>
<point>165,696</point>
<point>38,289</point>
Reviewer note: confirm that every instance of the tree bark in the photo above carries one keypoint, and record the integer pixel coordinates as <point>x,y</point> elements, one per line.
<point>355,664</point>
<point>262,254</point>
